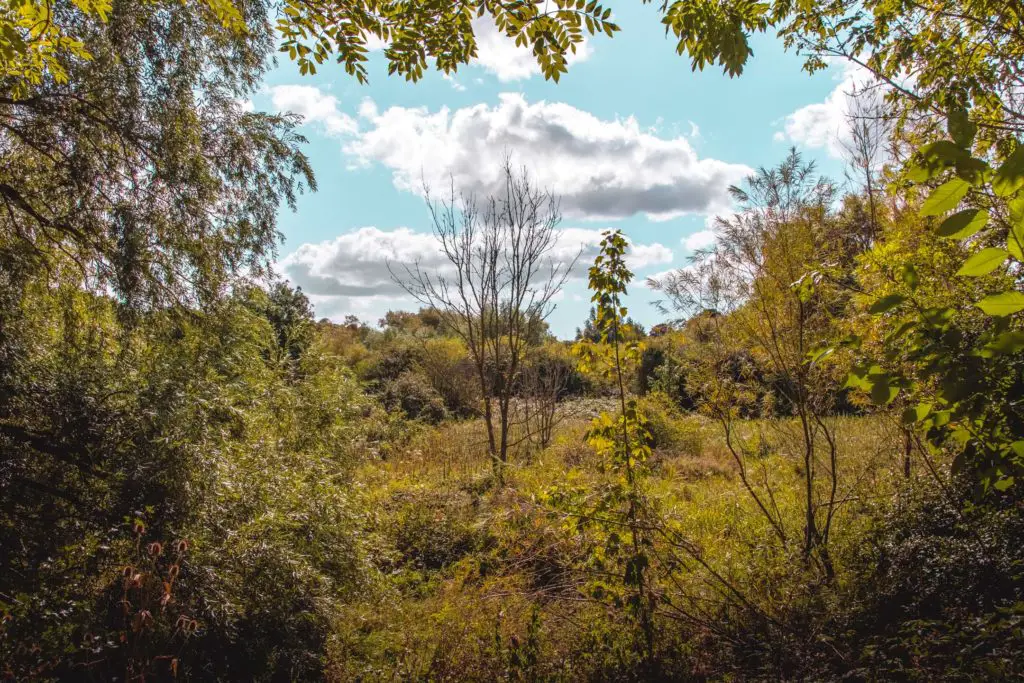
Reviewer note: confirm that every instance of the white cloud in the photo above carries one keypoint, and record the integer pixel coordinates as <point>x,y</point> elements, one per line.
<point>459,87</point>
<point>356,264</point>
<point>374,43</point>
<point>315,106</point>
<point>350,273</point>
<point>699,240</point>
<point>601,169</point>
<point>825,125</point>
<point>639,256</point>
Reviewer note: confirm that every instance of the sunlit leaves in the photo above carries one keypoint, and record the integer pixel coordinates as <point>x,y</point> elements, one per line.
<point>1010,176</point>
<point>35,42</point>
<point>713,32</point>
<point>945,197</point>
<point>963,224</point>
<point>878,383</point>
<point>1005,303</point>
<point>434,30</point>
<point>984,262</point>
<point>887,303</point>
<point>916,413</point>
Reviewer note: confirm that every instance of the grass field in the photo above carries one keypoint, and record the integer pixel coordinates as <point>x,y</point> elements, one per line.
<point>480,578</point>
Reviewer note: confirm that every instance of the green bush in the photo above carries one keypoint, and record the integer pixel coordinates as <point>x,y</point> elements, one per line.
<point>431,530</point>
<point>412,394</point>
<point>670,428</point>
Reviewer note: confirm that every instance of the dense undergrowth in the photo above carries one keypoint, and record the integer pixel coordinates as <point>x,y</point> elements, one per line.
<point>810,470</point>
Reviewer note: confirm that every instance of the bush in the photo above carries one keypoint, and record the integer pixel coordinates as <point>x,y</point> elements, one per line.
<point>670,429</point>
<point>413,395</point>
<point>445,363</point>
<point>431,530</point>
<point>939,593</point>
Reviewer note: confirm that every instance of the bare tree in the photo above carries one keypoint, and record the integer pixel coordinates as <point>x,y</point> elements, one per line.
<point>869,128</point>
<point>499,289</point>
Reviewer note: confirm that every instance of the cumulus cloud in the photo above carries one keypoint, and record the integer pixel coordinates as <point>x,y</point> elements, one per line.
<point>699,240</point>
<point>601,169</point>
<point>356,264</point>
<point>639,256</point>
<point>825,125</point>
<point>350,273</point>
<point>315,106</point>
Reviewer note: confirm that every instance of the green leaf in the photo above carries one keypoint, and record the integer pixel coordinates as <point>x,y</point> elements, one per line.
<point>916,413</point>
<point>909,274</point>
<point>963,223</point>
<point>934,158</point>
<point>820,354</point>
<point>1003,484</point>
<point>1007,342</point>
<point>960,127</point>
<point>882,391</point>
<point>1010,175</point>
<point>887,303</point>
<point>945,197</point>
<point>1013,245</point>
<point>983,263</point>
<point>900,331</point>
<point>1006,303</point>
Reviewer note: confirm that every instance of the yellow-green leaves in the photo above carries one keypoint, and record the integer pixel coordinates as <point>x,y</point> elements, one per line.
<point>945,197</point>
<point>1005,303</point>
<point>886,303</point>
<point>881,385</point>
<point>35,41</point>
<point>437,31</point>
<point>984,262</point>
<point>963,223</point>
<point>1010,176</point>
<point>960,127</point>
<point>933,159</point>
<point>1007,342</point>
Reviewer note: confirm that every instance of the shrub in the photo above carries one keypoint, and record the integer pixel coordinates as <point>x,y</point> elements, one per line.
<point>413,395</point>
<point>671,429</point>
<point>431,530</point>
<point>445,363</point>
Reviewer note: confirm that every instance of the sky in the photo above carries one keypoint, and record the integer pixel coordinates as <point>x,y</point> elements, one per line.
<point>630,138</point>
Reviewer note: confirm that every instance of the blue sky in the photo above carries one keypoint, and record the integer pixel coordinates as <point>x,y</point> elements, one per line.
<point>630,138</point>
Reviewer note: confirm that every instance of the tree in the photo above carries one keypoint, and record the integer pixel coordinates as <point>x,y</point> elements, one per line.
<point>621,509</point>
<point>290,315</point>
<point>39,38</point>
<point>142,169</point>
<point>590,331</point>
<point>498,289</point>
<point>757,275</point>
<point>957,52</point>
<point>434,29</point>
